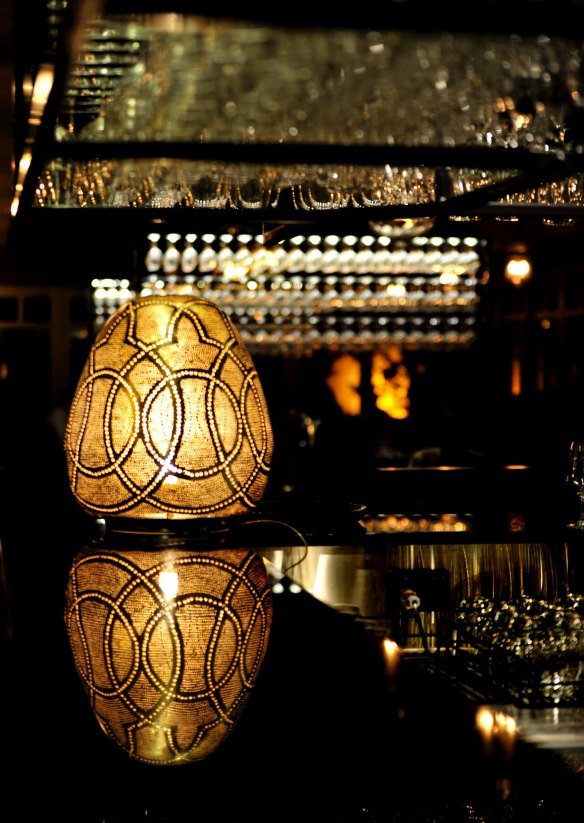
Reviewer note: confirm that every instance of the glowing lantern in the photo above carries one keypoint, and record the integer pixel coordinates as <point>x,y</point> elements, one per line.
<point>169,419</point>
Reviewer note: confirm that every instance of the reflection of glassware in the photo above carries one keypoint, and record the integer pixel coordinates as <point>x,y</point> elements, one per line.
<point>576,477</point>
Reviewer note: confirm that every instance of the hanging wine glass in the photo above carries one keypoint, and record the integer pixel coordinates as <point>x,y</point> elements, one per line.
<point>225,253</point>
<point>171,257</point>
<point>576,477</point>
<point>208,255</point>
<point>314,256</point>
<point>330,255</point>
<point>153,259</point>
<point>189,256</point>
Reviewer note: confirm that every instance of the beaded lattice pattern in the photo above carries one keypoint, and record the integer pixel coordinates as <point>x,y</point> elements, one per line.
<point>169,419</point>
<point>168,644</point>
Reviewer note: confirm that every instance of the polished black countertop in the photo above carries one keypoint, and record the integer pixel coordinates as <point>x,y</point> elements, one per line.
<point>328,734</point>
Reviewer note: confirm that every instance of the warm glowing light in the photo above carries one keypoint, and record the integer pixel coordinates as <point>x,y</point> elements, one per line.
<point>403,226</point>
<point>344,382</point>
<point>24,164</point>
<point>496,726</point>
<point>237,270</point>
<point>23,167</point>
<point>392,657</point>
<point>414,523</point>
<point>168,582</point>
<point>391,649</point>
<point>516,376</point>
<point>40,94</point>
<point>168,390</point>
<point>518,270</point>
<point>391,382</point>
<point>518,267</point>
<point>396,289</point>
<point>506,723</point>
<point>485,721</point>
<point>310,426</point>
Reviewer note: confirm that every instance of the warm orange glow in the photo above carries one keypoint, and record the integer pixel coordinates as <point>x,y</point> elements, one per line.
<point>496,726</point>
<point>485,721</point>
<point>344,382</point>
<point>516,376</point>
<point>392,657</point>
<point>518,269</point>
<point>40,94</point>
<point>415,523</point>
<point>23,167</point>
<point>391,650</point>
<point>391,382</point>
<point>505,723</point>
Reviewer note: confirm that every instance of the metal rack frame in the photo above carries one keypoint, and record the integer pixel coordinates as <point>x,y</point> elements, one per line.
<point>37,141</point>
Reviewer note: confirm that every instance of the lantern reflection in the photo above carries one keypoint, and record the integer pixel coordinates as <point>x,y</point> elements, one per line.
<point>168,643</point>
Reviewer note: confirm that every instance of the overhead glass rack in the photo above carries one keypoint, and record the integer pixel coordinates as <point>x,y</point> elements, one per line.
<point>172,108</point>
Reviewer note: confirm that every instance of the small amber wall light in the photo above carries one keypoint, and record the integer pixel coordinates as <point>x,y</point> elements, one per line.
<point>518,269</point>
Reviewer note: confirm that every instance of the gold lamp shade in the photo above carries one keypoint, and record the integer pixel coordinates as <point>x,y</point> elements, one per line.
<point>169,419</point>
<point>169,643</point>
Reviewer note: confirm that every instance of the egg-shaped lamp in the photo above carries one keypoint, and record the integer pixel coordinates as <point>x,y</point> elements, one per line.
<point>169,419</point>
